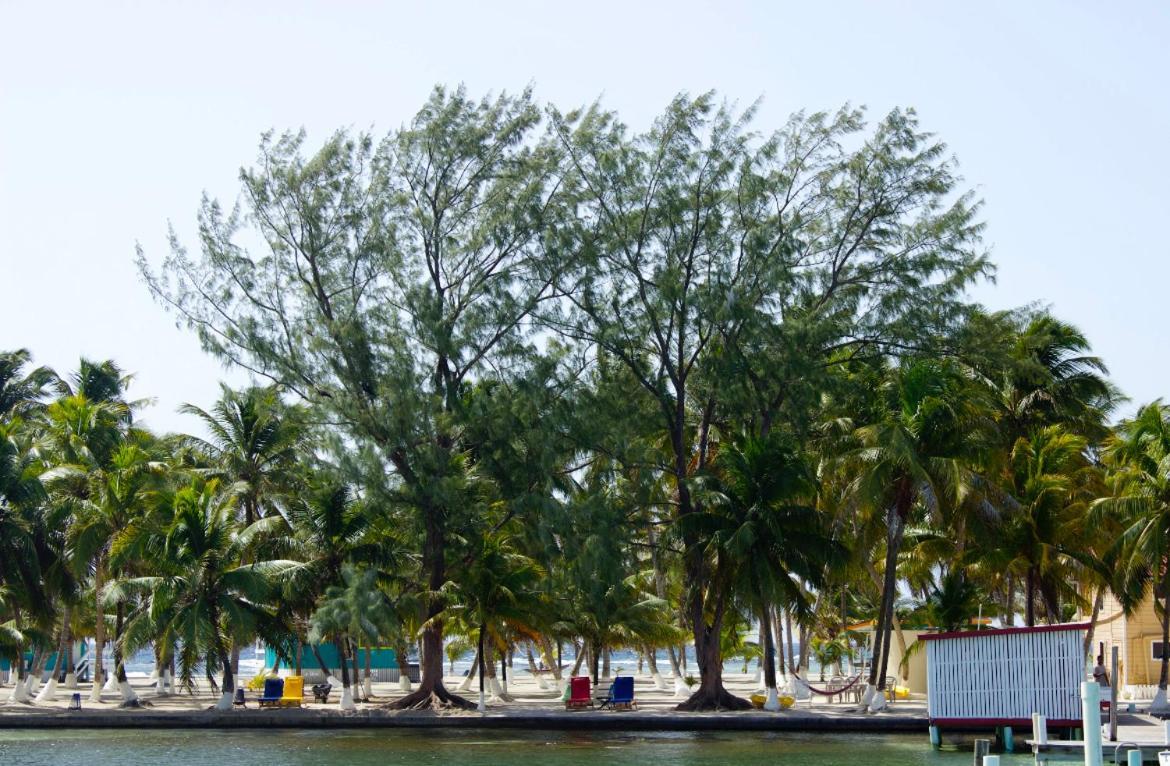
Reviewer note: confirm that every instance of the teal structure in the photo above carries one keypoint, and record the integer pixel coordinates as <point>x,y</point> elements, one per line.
<point>381,658</point>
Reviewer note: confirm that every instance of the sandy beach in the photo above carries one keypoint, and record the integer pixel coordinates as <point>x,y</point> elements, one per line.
<point>529,706</point>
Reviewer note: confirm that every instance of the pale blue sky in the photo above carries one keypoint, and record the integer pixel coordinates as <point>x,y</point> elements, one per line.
<point>115,116</point>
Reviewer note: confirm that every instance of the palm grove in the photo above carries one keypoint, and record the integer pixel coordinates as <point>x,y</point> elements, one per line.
<point>529,379</point>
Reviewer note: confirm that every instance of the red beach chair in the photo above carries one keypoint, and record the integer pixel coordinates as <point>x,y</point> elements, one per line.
<point>580,695</point>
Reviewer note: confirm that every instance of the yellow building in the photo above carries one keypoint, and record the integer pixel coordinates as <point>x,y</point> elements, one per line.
<point>1138,638</point>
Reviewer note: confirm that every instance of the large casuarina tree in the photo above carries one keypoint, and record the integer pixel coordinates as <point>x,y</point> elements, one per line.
<point>376,280</point>
<point>706,256</point>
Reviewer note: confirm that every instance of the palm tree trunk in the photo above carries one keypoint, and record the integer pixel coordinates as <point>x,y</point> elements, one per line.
<point>99,632</point>
<point>346,690</point>
<point>1030,597</point>
<point>773,700</point>
<point>320,661</point>
<point>129,696</point>
<point>1161,706</point>
<point>775,621</point>
<point>403,673</point>
<point>480,653</point>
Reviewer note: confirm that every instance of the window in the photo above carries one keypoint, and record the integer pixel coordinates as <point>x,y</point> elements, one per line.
<point>1157,650</point>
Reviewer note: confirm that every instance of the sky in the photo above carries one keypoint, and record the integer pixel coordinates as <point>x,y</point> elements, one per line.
<point>115,117</point>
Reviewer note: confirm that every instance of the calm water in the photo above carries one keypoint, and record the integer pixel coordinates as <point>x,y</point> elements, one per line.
<point>469,748</point>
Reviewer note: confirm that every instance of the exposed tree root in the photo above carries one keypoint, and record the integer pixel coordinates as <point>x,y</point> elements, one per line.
<point>707,701</point>
<point>437,698</point>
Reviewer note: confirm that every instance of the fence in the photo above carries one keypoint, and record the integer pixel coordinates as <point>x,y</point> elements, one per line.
<point>1000,677</point>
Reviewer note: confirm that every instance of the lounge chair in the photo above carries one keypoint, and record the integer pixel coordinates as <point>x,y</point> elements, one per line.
<point>621,694</point>
<point>321,692</point>
<point>294,691</point>
<point>580,694</point>
<point>273,691</point>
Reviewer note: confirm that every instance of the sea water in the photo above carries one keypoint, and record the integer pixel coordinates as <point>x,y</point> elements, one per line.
<point>469,747</point>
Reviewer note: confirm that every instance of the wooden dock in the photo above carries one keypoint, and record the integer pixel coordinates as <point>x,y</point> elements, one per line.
<point>1134,732</point>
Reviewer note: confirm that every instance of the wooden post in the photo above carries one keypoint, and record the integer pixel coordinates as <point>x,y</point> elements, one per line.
<point>1113,694</point>
<point>982,748</point>
<point>1040,728</point>
<point>1091,721</point>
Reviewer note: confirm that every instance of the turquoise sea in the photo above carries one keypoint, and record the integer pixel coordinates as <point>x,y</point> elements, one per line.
<point>469,747</point>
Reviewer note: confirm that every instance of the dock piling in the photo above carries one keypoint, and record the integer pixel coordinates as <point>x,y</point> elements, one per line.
<point>1091,721</point>
<point>982,748</point>
<point>1040,728</point>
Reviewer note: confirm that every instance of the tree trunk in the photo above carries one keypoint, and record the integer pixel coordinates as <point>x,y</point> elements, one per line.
<point>1098,602</point>
<point>482,694</point>
<point>1161,705</point>
<point>97,669</point>
<point>889,594</point>
<point>1030,597</point>
<point>320,661</point>
<point>548,659</point>
<point>400,655</point>
<point>129,696</point>
<point>431,692</point>
<point>779,640</point>
<point>346,702</point>
<point>773,700</point>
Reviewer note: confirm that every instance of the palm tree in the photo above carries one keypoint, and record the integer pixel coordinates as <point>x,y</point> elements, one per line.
<point>205,595</point>
<point>497,584</point>
<point>763,526</point>
<point>355,609</point>
<point>329,527</point>
<point>111,498</point>
<point>1139,455</point>
<point>916,453</point>
<point>254,446</point>
<point>1050,477</point>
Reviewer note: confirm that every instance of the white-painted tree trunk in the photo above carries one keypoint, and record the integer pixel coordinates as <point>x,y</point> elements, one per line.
<point>681,690</point>
<point>34,683</point>
<point>70,680</point>
<point>494,685</point>
<point>541,683</point>
<point>367,687</point>
<point>346,702</point>
<point>1160,706</point>
<point>160,685</point>
<point>878,703</point>
<point>19,692</point>
<point>95,694</point>
<point>482,706</point>
<point>225,702</point>
<point>333,681</point>
<point>463,687</point>
<point>867,695</point>
<point>404,682</point>
<point>773,701</point>
<point>48,692</point>
<point>800,688</point>
<point>129,696</point>
<point>111,683</point>
<point>659,681</point>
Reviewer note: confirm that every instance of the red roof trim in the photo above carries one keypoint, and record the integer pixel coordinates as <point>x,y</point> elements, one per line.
<point>1004,631</point>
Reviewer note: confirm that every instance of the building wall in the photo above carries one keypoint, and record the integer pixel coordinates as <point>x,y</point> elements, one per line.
<point>1134,636</point>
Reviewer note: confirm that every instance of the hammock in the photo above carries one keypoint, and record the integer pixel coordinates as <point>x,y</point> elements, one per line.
<point>832,692</point>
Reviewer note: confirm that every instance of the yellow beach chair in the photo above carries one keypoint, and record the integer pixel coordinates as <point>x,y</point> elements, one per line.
<point>294,691</point>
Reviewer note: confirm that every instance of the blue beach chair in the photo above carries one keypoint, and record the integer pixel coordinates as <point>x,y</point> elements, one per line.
<point>273,691</point>
<point>621,694</point>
